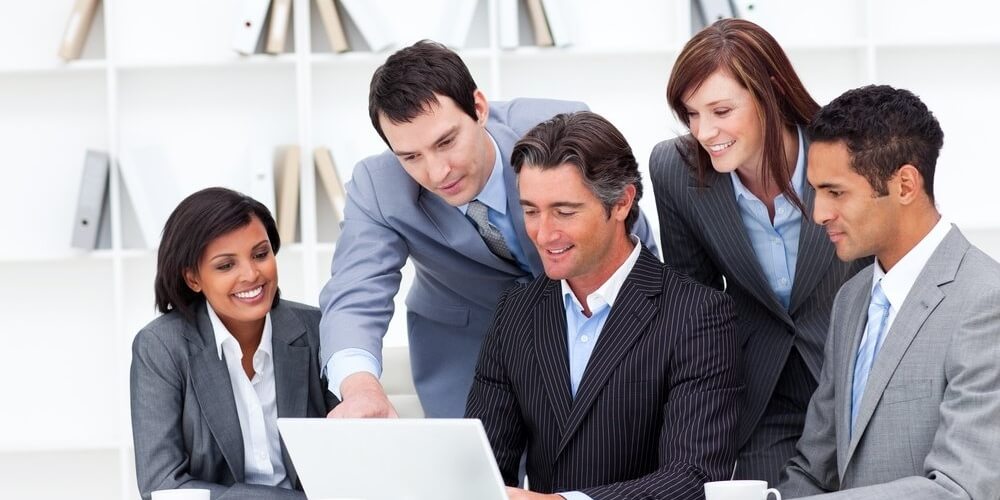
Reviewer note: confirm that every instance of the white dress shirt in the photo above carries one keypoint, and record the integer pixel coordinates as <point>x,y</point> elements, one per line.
<point>255,405</point>
<point>897,283</point>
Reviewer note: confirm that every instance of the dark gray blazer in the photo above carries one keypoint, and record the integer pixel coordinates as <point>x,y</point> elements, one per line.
<point>702,235</point>
<point>928,425</point>
<point>184,422</point>
<point>657,407</point>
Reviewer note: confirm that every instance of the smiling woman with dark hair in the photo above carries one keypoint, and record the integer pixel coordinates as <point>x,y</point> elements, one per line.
<point>228,357</point>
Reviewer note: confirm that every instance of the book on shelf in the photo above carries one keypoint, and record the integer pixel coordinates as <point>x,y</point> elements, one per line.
<point>288,194</point>
<point>455,26</point>
<point>77,29</point>
<point>557,15</point>
<point>371,22</point>
<point>250,16</point>
<point>333,25</point>
<point>92,201</point>
<point>510,30</point>
<point>330,178</point>
<point>539,24</point>
<point>277,31</point>
<point>152,189</point>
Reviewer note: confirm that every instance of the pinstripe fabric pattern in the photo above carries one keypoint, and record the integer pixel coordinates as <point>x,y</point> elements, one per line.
<point>657,408</point>
<point>702,236</point>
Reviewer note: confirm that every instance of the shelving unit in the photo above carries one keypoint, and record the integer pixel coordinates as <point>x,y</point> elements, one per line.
<point>160,76</point>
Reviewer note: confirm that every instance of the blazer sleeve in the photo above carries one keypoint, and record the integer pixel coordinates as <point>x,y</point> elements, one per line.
<point>357,300</point>
<point>813,470</point>
<point>682,250</point>
<point>157,388</point>
<point>698,435</point>
<point>962,463</point>
<point>492,400</point>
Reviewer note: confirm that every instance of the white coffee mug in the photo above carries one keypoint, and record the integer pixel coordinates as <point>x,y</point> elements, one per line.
<point>183,494</point>
<point>739,490</point>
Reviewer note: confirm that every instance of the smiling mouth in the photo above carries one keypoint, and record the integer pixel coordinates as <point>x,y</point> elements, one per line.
<point>716,148</point>
<point>451,185</point>
<point>250,294</point>
<point>559,251</point>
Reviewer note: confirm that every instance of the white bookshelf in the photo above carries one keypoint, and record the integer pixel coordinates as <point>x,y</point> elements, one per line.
<point>159,76</point>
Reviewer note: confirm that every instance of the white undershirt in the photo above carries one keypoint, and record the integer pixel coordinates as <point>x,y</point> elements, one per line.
<point>255,405</point>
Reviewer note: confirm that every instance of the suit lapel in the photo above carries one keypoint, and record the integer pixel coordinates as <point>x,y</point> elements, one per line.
<point>815,254</point>
<point>506,138</point>
<point>918,305</point>
<point>634,307</point>
<point>214,392</point>
<point>857,313</point>
<point>549,324</point>
<point>459,232</point>
<point>291,370</point>
<point>715,206</point>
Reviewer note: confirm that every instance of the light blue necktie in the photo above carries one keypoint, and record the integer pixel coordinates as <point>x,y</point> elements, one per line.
<point>878,313</point>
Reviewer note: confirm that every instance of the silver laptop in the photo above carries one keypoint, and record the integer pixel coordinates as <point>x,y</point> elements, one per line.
<point>392,459</point>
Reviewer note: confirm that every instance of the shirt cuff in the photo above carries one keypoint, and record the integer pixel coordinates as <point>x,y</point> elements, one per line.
<point>574,495</point>
<point>347,362</point>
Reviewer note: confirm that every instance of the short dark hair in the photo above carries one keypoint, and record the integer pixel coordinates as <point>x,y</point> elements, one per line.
<point>197,221</point>
<point>593,145</point>
<point>413,77</point>
<point>884,128</point>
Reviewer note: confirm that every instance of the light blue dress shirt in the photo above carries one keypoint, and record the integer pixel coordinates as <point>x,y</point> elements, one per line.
<point>775,245</point>
<point>582,332</point>
<point>352,360</point>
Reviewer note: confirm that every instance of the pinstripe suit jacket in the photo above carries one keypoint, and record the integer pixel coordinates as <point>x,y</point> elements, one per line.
<point>702,235</point>
<point>656,410</point>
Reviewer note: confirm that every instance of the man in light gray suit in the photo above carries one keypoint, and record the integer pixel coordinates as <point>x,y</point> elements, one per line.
<point>909,397</point>
<point>444,195</point>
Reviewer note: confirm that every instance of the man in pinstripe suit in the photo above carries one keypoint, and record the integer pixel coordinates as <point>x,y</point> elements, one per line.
<point>618,376</point>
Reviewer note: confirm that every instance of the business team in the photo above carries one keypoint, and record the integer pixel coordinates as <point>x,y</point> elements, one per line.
<point>540,307</point>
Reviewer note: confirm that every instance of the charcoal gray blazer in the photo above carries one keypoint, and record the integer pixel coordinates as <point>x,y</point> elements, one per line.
<point>656,411</point>
<point>184,422</point>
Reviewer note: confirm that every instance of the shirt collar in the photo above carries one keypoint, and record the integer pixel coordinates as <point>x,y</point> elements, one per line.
<point>494,193</point>
<point>607,292</point>
<point>798,175</point>
<point>223,336</point>
<point>896,283</point>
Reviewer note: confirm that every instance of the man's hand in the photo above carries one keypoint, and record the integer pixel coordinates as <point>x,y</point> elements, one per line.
<point>363,398</point>
<point>521,494</point>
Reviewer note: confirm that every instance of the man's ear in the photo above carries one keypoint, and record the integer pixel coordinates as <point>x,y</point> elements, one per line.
<point>192,281</point>
<point>624,204</point>
<point>911,184</point>
<point>482,107</point>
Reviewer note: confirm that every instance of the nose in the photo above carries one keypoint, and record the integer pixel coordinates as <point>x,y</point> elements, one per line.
<point>704,129</point>
<point>545,229</point>
<point>822,214</point>
<point>438,169</point>
<point>251,272</point>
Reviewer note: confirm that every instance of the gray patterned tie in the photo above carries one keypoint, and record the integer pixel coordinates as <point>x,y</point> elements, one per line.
<point>477,211</point>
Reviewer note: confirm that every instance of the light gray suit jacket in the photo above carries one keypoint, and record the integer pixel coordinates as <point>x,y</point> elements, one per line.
<point>929,423</point>
<point>184,422</point>
<point>389,218</point>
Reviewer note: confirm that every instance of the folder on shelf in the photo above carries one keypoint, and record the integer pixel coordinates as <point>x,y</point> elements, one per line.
<point>455,26</point>
<point>333,26</point>
<point>330,179</point>
<point>277,32</point>
<point>77,29</point>
<point>709,11</point>
<point>560,26</point>
<point>250,15</point>
<point>288,195</point>
<point>91,203</point>
<point>543,37</point>
<point>152,189</point>
<point>510,34</point>
<point>371,22</point>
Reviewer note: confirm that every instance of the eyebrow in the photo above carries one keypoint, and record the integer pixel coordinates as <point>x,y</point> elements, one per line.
<point>558,204</point>
<point>828,185</point>
<point>255,247</point>
<point>442,137</point>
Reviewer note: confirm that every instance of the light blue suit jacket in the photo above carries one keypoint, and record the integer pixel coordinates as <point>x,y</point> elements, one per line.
<point>389,218</point>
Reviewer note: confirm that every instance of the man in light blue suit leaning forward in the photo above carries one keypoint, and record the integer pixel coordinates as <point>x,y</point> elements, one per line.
<point>445,196</point>
<point>908,402</point>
